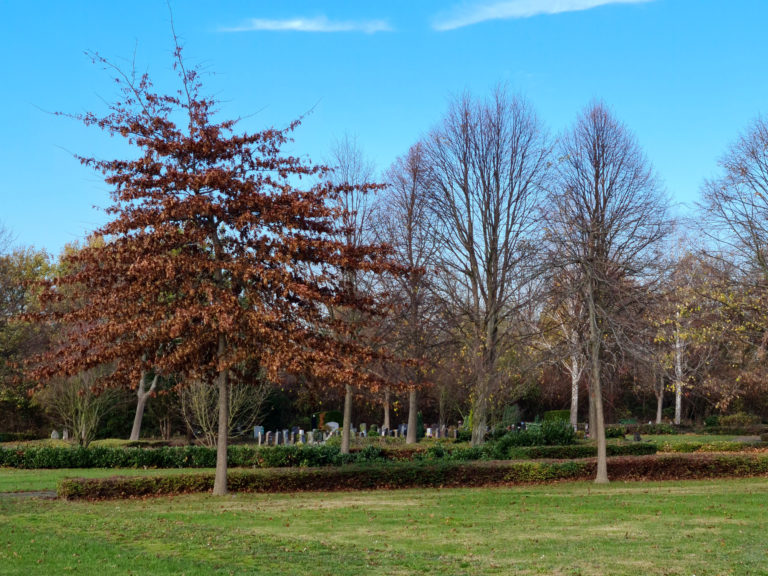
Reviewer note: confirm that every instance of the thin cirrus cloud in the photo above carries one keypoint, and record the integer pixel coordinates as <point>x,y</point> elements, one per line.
<point>477,12</point>
<point>318,24</point>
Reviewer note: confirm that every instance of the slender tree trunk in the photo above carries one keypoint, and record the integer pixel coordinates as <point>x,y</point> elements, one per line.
<point>575,377</point>
<point>595,391</point>
<point>411,437</point>
<point>346,430</point>
<point>143,396</point>
<point>386,423</point>
<point>480,412</point>
<point>592,418</point>
<point>220,481</point>
<point>659,404</point>
<point>678,378</point>
<point>441,402</point>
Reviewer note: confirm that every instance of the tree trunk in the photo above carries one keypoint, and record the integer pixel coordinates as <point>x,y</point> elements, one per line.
<point>678,378</point>
<point>347,423</point>
<point>659,404</point>
<point>575,371</point>
<point>411,437</point>
<point>143,396</point>
<point>220,481</point>
<point>596,395</point>
<point>386,423</point>
<point>441,402</point>
<point>480,412</point>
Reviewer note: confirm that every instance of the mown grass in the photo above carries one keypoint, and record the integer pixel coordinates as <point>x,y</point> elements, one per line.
<point>703,528</point>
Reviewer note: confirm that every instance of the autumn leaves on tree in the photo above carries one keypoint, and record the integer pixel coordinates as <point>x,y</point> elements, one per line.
<point>221,252</point>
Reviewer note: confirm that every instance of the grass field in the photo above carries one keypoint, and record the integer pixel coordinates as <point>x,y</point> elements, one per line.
<point>701,528</point>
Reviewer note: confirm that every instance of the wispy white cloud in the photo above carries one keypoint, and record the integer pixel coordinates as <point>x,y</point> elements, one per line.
<point>318,24</point>
<point>477,12</point>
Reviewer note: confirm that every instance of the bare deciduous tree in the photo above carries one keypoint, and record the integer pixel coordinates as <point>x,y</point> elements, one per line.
<point>353,175</point>
<point>736,203</point>
<point>74,405</point>
<point>488,163</point>
<point>607,219</point>
<point>199,408</point>
<point>403,221</point>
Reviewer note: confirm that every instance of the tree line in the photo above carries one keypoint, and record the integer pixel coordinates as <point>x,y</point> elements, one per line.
<point>493,269</point>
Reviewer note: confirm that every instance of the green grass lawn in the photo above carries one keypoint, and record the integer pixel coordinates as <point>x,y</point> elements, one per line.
<point>701,528</point>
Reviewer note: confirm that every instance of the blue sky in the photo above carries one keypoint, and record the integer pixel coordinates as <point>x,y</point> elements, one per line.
<point>686,76</point>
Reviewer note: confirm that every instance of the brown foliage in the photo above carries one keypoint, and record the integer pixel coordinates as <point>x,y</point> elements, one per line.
<point>210,237</point>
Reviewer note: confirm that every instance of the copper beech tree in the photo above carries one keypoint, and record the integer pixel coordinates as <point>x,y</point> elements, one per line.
<point>214,257</point>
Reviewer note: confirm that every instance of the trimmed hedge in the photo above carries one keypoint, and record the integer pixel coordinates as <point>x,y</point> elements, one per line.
<point>181,457</point>
<point>423,475</point>
<point>658,429</point>
<point>32,457</point>
<point>720,446</point>
<point>580,451</point>
<point>755,430</point>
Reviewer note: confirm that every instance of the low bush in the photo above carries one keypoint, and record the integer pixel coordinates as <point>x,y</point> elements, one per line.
<point>580,451</point>
<point>560,415</point>
<point>548,433</point>
<point>423,475</point>
<point>719,446</point>
<point>658,429</point>
<point>463,435</point>
<point>739,420</point>
<point>753,430</point>
<point>615,431</point>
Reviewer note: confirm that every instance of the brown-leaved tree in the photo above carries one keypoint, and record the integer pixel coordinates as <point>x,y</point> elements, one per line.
<point>214,258</point>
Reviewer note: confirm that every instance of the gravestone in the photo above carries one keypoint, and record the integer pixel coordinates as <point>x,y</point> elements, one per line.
<point>65,434</point>
<point>286,437</point>
<point>268,439</point>
<point>363,430</point>
<point>55,435</point>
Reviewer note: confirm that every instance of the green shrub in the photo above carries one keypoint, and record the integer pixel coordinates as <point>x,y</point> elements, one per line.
<point>548,433</point>
<point>753,430</point>
<point>712,420</point>
<point>463,435</point>
<point>551,415</point>
<point>580,451</point>
<point>739,420</point>
<point>688,447</point>
<point>615,431</point>
<point>658,429</point>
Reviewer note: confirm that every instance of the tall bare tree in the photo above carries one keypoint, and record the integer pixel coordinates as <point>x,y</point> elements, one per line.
<point>607,220</point>
<point>736,203</point>
<point>488,163</point>
<point>736,210</point>
<point>353,175</point>
<point>403,221</point>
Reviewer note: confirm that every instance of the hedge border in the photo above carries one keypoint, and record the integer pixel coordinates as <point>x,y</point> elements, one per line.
<point>285,456</point>
<point>423,475</point>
